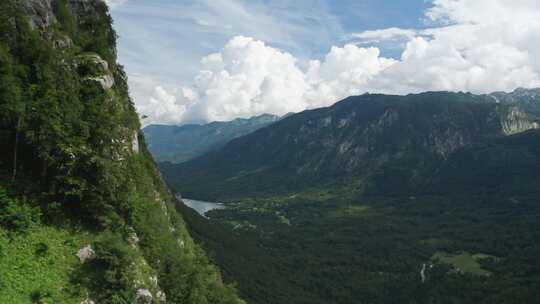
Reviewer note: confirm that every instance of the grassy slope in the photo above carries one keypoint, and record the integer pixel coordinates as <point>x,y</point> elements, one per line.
<point>24,270</point>
<point>465,261</point>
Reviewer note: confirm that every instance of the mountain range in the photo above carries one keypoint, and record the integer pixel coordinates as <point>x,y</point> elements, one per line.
<point>177,144</point>
<point>423,198</point>
<point>375,143</point>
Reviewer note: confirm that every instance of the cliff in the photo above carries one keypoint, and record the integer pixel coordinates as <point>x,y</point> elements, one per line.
<point>84,215</point>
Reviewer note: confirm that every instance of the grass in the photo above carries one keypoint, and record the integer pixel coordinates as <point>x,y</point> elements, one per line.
<point>464,262</point>
<point>435,243</point>
<point>39,262</point>
<point>351,211</point>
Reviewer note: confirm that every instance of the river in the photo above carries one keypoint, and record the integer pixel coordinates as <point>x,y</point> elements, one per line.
<point>202,207</point>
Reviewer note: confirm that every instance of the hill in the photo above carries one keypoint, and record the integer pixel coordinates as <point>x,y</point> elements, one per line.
<point>178,144</point>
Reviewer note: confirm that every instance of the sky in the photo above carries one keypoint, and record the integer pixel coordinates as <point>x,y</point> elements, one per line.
<point>196,61</point>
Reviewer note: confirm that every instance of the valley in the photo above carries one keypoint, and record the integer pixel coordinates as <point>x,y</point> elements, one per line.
<point>440,208</point>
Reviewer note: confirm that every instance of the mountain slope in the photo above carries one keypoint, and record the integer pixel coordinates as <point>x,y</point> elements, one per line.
<point>359,141</point>
<point>528,99</point>
<point>178,144</point>
<point>84,214</point>
<point>428,198</point>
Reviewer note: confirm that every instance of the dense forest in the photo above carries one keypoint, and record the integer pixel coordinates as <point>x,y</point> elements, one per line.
<point>84,214</point>
<point>429,198</point>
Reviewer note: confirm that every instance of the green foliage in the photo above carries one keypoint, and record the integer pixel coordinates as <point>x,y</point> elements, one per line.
<point>16,215</point>
<point>67,158</point>
<point>185,273</point>
<point>376,255</point>
<point>349,202</point>
<point>107,275</point>
<point>27,275</point>
<point>95,33</point>
<point>67,22</point>
<point>464,262</point>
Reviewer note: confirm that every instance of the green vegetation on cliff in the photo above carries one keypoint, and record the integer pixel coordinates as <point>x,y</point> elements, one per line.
<point>75,172</point>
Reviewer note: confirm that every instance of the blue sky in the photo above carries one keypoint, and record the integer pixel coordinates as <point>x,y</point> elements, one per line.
<point>279,56</point>
<point>165,29</point>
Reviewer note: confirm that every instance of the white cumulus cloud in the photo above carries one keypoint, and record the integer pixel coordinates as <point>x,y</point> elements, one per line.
<point>247,78</point>
<point>472,45</point>
<point>163,107</point>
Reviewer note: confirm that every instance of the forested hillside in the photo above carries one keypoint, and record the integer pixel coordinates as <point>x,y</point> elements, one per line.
<point>426,198</point>
<point>84,215</point>
<point>178,144</point>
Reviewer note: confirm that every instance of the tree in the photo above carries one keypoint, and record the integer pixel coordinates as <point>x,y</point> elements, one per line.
<point>12,106</point>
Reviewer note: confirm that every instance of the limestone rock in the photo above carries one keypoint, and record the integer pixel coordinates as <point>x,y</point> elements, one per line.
<point>94,68</point>
<point>516,121</point>
<point>161,297</point>
<point>133,239</point>
<point>144,296</point>
<point>40,13</point>
<point>135,142</point>
<point>88,301</point>
<point>62,42</point>
<point>106,81</point>
<point>86,254</point>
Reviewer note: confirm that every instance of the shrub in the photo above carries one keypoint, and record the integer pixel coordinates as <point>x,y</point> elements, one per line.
<point>42,249</point>
<point>16,215</point>
<point>108,274</point>
<point>42,297</point>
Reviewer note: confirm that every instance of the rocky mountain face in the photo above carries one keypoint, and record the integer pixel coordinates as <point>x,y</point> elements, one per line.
<point>40,13</point>
<point>528,99</point>
<point>177,144</point>
<point>371,141</point>
<point>84,214</point>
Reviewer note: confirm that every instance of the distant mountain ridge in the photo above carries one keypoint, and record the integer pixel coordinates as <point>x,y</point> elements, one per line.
<point>178,144</point>
<point>529,99</point>
<point>379,143</point>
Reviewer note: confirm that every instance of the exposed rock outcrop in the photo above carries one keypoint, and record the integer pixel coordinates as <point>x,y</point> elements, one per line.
<point>86,254</point>
<point>135,142</point>
<point>161,297</point>
<point>88,301</point>
<point>516,121</point>
<point>106,81</point>
<point>144,296</point>
<point>39,12</point>
<point>94,68</point>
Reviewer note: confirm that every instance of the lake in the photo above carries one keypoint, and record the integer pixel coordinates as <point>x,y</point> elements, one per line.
<point>201,206</point>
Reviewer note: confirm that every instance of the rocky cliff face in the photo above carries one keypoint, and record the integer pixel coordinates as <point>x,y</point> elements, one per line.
<point>527,99</point>
<point>39,12</point>
<point>515,121</point>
